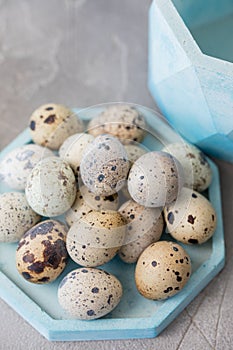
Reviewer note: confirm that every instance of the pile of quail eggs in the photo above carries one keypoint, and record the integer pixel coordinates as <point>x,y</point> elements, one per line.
<point>88,196</point>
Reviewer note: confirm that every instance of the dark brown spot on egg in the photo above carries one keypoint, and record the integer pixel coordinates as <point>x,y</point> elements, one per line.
<point>28,258</point>
<point>191,219</point>
<point>193,241</point>
<point>26,275</point>
<point>41,229</point>
<point>49,108</point>
<point>32,125</point>
<point>170,217</point>
<point>50,119</point>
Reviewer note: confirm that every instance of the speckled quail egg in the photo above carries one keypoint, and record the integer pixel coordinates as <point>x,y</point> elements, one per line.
<point>88,293</point>
<point>51,187</point>
<point>17,164</point>
<point>197,171</point>
<point>192,219</point>
<point>51,124</point>
<point>155,179</point>
<point>72,149</point>
<point>144,226</point>
<point>87,201</point>
<point>41,255</point>
<point>104,166</point>
<point>16,216</point>
<point>96,238</point>
<point>122,121</point>
<point>162,270</point>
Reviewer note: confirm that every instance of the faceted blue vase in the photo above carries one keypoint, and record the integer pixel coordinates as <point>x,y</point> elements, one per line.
<point>191,70</point>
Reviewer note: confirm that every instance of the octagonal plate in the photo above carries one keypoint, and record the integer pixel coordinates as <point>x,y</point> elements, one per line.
<point>135,316</point>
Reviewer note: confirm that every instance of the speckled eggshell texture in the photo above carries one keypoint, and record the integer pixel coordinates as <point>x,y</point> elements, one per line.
<point>51,187</point>
<point>72,149</point>
<point>87,201</point>
<point>122,121</point>
<point>104,166</point>
<point>41,255</point>
<point>192,219</point>
<point>88,293</point>
<point>16,216</point>
<point>162,270</point>
<point>197,171</point>
<point>17,164</point>
<point>51,124</point>
<point>96,238</point>
<point>155,179</point>
<point>144,226</point>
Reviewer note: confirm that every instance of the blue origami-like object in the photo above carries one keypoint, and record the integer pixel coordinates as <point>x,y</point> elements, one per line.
<point>190,73</point>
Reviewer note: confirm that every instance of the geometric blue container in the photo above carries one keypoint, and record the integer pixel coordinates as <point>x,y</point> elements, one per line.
<point>191,71</point>
<point>135,316</point>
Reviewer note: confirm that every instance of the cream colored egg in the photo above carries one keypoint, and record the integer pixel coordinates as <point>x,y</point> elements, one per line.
<point>192,218</point>
<point>144,226</point>
<point>51,124</point>
<point>16,216</point>
<point>122,121</point>
<point>155,179</point>
<point>17,164</point>
<point>162,270</point>
<point>87,201</point>
<point>72,149</point>
<point>88,293</point>
<point>41,255</point>
<point>197,170</point>
<point>104,166</point>
<point>51,187</point>
<point>96,238</point>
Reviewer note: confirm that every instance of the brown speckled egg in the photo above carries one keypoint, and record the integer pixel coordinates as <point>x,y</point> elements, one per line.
<point>88,293</point>
<point>72,149</point>
<point>144,226</point>
<point>192,218</point>
<point>87,201</point>
<point>104,166</point>
<point>162,270</point>
<point>51,187</point>
<point>17,164</point>
<point>51,124</point>
<point>197,171</point>
<point>122,121</point>
<point>155,179</point>
<point>41,254</point>
<point>96,238</point>
<point>16,216</point>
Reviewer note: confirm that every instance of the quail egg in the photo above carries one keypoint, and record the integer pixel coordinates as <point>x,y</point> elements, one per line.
<point>88,293</point>
<point>144,226</point>
<point>17,164</point>
<point>41,255</point>
<point>104,166</point>
<point>162,270</point>
<point>72,149</point>
<point>16,216</point>
<point>51,124</point>
<point>122,121</point>
<point>87,201</point>
<point>51,187</point>
<point>155,179</point>
<point>197,171</point>
<point>96,238</point>
<point>192,218</point>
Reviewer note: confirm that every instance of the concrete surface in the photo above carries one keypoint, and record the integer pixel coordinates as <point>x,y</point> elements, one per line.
<point>83,52</point>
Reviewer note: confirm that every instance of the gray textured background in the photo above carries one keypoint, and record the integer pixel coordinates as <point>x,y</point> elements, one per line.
<point>84,52</point>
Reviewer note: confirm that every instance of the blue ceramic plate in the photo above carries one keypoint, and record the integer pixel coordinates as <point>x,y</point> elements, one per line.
<point>135,316</point>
